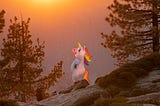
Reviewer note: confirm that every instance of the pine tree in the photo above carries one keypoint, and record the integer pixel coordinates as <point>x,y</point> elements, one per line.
<point>22,74</point>
<point>2,21</point>
<point>138,21</point>
<point>2,24</point>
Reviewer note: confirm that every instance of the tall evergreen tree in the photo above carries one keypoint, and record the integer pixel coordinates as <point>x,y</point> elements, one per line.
<point>21,75</point>
<point>139,23</point>
<point>2,21</point>
<point>2,24</point>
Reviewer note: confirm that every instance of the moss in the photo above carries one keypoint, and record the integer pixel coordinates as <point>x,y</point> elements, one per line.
<point>8,102</point>
<point>128,74</point>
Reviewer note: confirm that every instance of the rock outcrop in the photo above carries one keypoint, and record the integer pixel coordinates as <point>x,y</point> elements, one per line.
<point>151,98</point>
<point>81,97</point>
<point>148,84</point>
<point>139,82</point>
<point>146,91</point>
<point>79,94</point>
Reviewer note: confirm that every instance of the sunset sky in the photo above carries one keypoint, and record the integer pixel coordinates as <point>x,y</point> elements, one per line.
<point>63,23</point>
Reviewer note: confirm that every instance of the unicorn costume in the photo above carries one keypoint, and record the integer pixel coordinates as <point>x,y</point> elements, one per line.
<point>82,58</point>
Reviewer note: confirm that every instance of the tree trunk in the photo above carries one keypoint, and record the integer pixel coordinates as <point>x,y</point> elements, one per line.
<point>21,67</point>
<point>155,27</point>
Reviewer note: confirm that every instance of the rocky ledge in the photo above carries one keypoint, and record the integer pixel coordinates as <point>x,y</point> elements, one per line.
<point>146,92</point>
<point>80,94</point>
<point>147,89</point>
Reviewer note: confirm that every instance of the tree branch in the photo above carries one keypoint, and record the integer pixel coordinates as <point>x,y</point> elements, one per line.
<point>145,44</point>
<point>140,10</point>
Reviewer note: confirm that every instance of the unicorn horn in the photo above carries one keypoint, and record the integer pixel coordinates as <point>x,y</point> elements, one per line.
<point>79,45</point>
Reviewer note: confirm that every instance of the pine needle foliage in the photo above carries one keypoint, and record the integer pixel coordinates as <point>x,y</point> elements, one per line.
<point>138,21</point>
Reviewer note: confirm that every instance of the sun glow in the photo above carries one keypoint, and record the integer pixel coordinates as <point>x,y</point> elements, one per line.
<point>46,1</point>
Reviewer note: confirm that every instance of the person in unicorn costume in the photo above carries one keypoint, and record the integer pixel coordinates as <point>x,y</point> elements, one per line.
<point>82,58</point>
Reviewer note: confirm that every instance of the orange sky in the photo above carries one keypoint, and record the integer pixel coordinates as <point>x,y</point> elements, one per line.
<point>61,24</point>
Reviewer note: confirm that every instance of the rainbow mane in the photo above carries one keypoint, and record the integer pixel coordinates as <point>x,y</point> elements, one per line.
<point>87,56</point>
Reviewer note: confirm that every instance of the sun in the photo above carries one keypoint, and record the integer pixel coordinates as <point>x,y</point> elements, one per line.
<point>48,6</point>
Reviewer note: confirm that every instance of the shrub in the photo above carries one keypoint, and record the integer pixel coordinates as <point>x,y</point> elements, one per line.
<point>8,102</point>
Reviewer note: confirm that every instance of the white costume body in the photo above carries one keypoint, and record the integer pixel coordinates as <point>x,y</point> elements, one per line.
<point>77,66</point>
